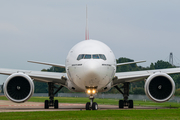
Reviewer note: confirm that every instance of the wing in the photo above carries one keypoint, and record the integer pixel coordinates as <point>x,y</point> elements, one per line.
<point>58,78</point>
<point>140,75</point>
<point>46,63</point>
<point>127,63</point>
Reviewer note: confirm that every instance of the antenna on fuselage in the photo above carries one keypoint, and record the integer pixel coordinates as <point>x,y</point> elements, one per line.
<point>87,31</point>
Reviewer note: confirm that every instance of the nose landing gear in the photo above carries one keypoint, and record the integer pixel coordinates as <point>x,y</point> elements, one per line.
<point>91,105</point>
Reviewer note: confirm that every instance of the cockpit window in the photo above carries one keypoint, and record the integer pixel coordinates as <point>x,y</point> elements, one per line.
<point>87,56</point>
<point>102,56</point>
<point>80,57</point>
<point>96,56</point>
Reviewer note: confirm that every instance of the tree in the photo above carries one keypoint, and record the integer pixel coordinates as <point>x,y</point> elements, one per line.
<point>126,68</point>
<point>162,64</point>
<point>40,87</point>
<point>138,90</point>
<point>177,92</point>
<point>152,66</point>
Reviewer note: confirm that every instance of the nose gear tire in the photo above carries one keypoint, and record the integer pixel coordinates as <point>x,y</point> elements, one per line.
<point>94,106</point>
<point>88,106</point>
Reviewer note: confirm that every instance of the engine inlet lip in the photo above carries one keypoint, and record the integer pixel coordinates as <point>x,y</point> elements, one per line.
<point>159,75</point>
<point>19,75</point>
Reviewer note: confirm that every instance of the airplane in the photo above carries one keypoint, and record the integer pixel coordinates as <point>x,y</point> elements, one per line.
<point>90,68</point>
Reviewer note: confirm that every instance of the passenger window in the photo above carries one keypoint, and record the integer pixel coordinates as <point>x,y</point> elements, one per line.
<point>87,56</point>
<point>96,56</point>
<point>102,56</point>
<point>80,57</point>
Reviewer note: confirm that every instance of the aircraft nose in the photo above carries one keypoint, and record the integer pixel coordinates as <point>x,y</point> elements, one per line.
<point>92,73</point>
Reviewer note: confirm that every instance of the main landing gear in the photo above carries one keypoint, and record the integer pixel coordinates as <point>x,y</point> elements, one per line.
<point>125,94</point>
<point>51,102</point>
<point>91,105</point>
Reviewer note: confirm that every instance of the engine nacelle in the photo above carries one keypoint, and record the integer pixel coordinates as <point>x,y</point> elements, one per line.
<point>159,87</point>
<point>18,87</point>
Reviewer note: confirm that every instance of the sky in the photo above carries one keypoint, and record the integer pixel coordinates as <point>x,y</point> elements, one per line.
<point>44,30</point>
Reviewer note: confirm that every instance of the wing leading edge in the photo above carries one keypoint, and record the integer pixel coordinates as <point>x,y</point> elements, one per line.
<point>45,63</point>
<point>140,75</point>
<point>127,63</point>
<point>57,78</point>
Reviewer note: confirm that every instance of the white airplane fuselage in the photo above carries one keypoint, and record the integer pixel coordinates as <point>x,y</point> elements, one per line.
<point>90,64</point>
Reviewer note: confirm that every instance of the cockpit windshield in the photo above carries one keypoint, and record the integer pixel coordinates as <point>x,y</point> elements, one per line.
<point>102,56</point>
<point>96,56</point>
<point>80,57</point>
<point>93,56</point>
<point>87,56</point>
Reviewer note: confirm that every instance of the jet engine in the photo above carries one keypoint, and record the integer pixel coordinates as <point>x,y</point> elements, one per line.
<point>18,87</point>
<point>159,87</point>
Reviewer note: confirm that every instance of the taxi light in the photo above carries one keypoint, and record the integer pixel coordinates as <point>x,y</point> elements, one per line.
<point>88,91</point>
<point>93,91</point>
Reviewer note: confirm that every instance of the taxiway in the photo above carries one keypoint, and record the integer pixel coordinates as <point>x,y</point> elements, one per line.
<point>8,106</point>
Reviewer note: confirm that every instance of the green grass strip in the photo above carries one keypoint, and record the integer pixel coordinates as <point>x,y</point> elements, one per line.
<point>165,114</point>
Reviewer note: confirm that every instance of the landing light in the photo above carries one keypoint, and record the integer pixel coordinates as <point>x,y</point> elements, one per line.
<point>91,91</point>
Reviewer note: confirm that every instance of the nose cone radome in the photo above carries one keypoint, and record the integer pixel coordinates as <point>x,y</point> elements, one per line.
<point>92,70</point>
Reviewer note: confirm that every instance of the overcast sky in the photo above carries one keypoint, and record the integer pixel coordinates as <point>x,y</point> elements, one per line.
<point>45,30</point>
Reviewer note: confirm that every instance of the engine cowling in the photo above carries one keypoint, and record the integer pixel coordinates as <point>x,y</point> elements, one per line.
<point>18,87</point>
<point>159,87</point>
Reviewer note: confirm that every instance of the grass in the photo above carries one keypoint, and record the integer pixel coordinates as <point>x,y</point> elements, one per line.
<point>165,114</point>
